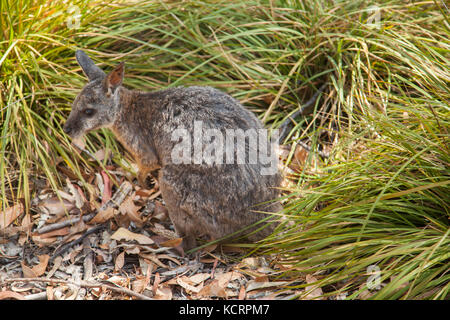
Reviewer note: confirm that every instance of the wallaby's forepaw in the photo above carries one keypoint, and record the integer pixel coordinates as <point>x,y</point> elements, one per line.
<point>142,179</point>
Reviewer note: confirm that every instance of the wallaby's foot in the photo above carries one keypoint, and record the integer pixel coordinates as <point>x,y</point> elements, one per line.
<point>142,176</point>
<point>142,179</point>
<point>154,176</point>
<point>188,243</point>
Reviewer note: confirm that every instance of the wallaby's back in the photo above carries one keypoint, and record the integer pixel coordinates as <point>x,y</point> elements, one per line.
<point>203,199</point>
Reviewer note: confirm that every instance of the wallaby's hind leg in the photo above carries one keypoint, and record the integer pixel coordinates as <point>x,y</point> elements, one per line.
<point>269,228</point>
<point>185,224</point>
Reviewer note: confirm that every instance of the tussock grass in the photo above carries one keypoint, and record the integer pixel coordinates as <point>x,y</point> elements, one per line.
<point>380,199</point>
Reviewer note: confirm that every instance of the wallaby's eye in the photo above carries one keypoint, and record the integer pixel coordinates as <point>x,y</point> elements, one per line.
<point>89,112</point>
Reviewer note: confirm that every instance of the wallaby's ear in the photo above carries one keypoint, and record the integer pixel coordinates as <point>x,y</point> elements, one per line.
<point>89,68</point>
<point>114,79</point>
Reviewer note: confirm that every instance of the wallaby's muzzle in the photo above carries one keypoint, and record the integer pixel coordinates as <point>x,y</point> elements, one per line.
<point>67,129</point>
<point>70,128</point>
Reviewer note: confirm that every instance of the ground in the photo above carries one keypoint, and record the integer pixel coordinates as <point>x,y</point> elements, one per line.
<point>117,242</point>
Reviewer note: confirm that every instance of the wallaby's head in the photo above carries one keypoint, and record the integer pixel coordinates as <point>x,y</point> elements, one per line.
<point>97,105</point>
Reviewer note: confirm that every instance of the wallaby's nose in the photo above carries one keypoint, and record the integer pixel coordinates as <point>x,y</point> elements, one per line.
<point>67,129</point>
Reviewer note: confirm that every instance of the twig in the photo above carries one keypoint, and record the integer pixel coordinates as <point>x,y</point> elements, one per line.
<point>119,196</point>
<point>70,244</point>
<point>323,154</point>
<point>65,223</point>
<point>17,101</point>
<point>116,200</point>
<point>88,260</point>
<point>84,284</point>
<point>304,110</point>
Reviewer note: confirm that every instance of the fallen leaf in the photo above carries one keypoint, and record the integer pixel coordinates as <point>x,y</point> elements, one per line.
<point>199,278</point>
<point>213,289</point>
<point>107,193</point>
<point>148,271</point>
<point>156,282</point>
<point>210,248</point>
<point>72,255</point>
<point>153,258</point>
<point>300,154</point>
<point>27,271</point>
<point>103,215</point>
<point>10,214</point>
<point>225,278</point>
<point>172,281</point>
<point>255,285</point>
<point>155,195</point>
<point>118,280</point>
<point>139,284</point>
<point>172,243</point>
<point>163,293</point>
<point>40,268</point>
<point>268,99</point>
<point>65,196</point>
<point>54,233</point>
<point>25,229</point>
<point>251,262</point>
<point>100,155</point>
<point>264,278</point>
<point>79,201</point>
<point>184,282</point>
<point>132,250</point>
<point>165,256</point>
<point>125,234</point>
<point>161,231</point>
<point>78,227</point>
<point>122,221</point>
<point>7,295</point>
<point>42,241</point>
<point>120,261</point>
<point>313,292</point>
<point>131,210</point>
<point>144,193</point>
<point>49,290</point>
<point>56,264</point>
<point>81,193</point>
<point>55,206</point>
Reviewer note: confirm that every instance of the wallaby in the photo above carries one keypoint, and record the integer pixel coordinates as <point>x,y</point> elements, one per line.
<point>204,198</point>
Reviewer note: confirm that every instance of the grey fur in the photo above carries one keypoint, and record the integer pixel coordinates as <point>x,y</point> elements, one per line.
<point>210,200</point>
